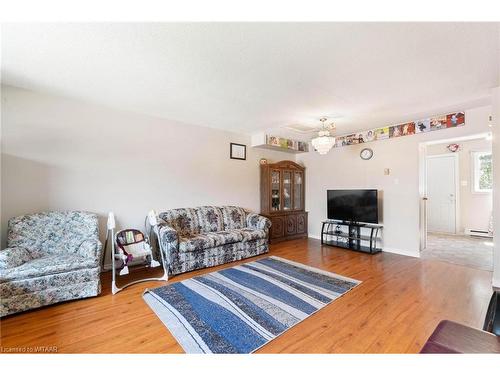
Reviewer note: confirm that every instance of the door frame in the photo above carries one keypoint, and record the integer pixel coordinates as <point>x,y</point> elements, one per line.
<point>422,183</point>
<point>457,187</point>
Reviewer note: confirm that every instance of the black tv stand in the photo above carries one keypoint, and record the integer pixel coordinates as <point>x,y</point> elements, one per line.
<point>350,223</point>
<point>348,236</point>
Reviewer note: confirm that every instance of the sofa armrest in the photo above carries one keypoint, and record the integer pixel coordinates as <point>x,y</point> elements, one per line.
<point>91,248</point>
<point>168,239</point>
<point>256,221</point>
<point>14,257</point>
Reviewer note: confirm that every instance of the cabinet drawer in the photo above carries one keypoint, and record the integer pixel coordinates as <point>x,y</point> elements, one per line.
<point>301,223</point>
<point>277,227</point>
<point>291,224</point>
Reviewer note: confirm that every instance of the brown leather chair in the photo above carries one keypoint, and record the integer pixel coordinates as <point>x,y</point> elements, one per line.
<point>492,320</point>
<point>452,337</point>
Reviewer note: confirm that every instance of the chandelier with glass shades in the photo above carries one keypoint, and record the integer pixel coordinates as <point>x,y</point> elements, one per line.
<point>324,141</point>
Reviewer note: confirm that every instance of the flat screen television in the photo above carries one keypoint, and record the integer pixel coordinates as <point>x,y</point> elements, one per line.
<point>357,206</point>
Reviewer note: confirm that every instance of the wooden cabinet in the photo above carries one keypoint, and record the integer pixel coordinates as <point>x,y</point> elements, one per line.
<point>278,226</point>
<point>302,223</point>
<point>283,200</point>
<point>291,225</point>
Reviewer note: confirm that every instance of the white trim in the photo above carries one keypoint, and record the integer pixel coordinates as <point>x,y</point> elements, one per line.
<point>458,139</point>
<point>314,236</point>
<point>422,188</point>
<point>495,148</point>
<point>402,252</point>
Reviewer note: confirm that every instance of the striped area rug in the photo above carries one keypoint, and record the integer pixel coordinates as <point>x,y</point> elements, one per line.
<point>240,309</point>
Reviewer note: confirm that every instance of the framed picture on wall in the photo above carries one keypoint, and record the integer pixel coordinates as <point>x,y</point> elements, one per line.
<point>238,151</point>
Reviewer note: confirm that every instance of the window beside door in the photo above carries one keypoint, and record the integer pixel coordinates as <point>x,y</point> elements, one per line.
<point>482,172</point>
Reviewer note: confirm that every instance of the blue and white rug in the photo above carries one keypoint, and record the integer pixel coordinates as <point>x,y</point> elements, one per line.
<point>240,309</point>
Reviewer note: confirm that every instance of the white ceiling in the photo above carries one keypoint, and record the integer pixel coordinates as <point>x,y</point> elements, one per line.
<point>253,76</point>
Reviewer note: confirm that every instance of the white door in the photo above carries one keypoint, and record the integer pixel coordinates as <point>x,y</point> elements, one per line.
<point>441,193</point>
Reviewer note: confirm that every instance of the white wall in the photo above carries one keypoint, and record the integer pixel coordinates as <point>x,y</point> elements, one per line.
<point>59,153</point>
<point>474,208</point>
<point>343,168</point>
<point>495,100</point>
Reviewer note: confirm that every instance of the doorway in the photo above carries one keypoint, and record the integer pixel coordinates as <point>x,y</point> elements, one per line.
<point>442,191</point>
<point>456,189</point>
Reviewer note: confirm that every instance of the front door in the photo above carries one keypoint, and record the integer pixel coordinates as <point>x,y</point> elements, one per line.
<point>441,193</point>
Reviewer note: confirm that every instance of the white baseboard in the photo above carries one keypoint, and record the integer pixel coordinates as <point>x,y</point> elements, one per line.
<point>313,236</point>
<point>401,252</point>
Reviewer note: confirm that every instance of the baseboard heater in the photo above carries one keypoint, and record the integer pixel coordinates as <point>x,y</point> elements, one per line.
<point>478,233</point>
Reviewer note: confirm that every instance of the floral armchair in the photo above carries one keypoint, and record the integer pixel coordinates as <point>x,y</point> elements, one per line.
<point>50,257</point>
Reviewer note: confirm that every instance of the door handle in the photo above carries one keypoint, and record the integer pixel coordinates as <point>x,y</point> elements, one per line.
<point>425,199</point>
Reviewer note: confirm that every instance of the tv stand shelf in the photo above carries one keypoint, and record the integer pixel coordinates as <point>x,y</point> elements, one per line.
<point>348,236</point>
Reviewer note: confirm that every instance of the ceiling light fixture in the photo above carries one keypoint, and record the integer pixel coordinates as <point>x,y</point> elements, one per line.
<point>324,141</point>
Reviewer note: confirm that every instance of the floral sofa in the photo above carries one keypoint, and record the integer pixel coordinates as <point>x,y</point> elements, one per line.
<point>194,238</point>
<point>50,257</point>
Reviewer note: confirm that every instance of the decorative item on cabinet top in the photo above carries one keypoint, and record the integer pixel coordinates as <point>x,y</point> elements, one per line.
<point>262,140</point>
<point>283,199</point>
<point>453,147</point>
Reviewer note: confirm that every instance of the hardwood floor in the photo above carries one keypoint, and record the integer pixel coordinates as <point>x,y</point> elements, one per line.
<point>394,310</point>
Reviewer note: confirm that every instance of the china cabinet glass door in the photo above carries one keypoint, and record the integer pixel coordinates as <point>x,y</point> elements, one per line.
<point>298,184</point>
<point>287,190</point>
<point>275,190</point>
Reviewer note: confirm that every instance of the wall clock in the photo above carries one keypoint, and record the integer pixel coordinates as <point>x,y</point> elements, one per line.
<point>366,153</point>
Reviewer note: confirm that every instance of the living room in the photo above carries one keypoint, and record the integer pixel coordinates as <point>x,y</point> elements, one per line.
<point>247,187</point>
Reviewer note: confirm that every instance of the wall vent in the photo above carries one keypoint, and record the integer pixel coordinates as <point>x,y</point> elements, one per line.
<point>478,233</point>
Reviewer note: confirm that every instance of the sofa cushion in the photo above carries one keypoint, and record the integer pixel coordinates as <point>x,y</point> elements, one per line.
<point>233,217</point>
<point>183,220</point>
<point>209,219</point>
<point>14,257</point>
<point>249,234</point>
<point>46,283</point>
<point>225,237</point>
<point>51,232</point>
<point>195,242</point>
<point>47,265</point>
